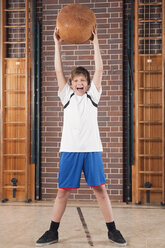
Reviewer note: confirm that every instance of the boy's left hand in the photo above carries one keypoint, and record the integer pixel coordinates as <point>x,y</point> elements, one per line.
<point>93,37</point>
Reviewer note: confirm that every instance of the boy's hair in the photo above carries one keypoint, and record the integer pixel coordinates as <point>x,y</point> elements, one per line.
<point>77,71</point>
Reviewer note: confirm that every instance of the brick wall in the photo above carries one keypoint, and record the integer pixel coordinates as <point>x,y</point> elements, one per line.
<point>109,14</point>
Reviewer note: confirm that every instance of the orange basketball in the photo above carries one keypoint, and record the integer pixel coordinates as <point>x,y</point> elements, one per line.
<point>76,23</point>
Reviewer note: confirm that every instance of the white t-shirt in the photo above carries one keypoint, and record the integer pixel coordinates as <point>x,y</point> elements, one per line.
<point>80,128</point>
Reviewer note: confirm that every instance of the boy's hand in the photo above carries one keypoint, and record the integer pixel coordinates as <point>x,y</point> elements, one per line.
<point>94,37</point>
<point>56,36</point>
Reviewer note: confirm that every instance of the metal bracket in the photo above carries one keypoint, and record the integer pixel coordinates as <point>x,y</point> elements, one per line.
<point>14,181</point>
<point>28,201</point>
<point>148,185</point>
<point>5,200</point>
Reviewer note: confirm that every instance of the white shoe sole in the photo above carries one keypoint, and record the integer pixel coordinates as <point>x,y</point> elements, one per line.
<point>48,243</point>
<point>125,244</point>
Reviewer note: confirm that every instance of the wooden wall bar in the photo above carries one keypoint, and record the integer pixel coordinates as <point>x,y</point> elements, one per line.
<point>16,170</point>
<point>148,171</point>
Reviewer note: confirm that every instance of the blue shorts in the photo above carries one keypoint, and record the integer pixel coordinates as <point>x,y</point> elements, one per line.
<point>73,163</point>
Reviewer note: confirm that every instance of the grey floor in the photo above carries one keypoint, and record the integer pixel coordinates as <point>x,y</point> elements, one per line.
<point>82,225</point>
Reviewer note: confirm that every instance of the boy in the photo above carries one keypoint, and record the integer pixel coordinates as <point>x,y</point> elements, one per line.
<point>80,144</point>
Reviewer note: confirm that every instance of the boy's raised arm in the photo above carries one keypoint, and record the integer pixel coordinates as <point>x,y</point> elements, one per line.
<point>98,62</point>
<point>57,61</point>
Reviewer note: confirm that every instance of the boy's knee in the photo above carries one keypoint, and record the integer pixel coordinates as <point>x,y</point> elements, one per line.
<point>63,193</point>
<point>100,191</point>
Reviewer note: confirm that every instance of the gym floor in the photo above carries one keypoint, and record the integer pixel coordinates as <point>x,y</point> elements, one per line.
<point>82,226</point>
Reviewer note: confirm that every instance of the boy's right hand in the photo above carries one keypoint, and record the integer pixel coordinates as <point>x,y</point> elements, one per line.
<point>56,36</point>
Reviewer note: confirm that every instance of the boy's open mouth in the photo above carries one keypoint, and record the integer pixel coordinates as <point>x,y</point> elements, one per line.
<point>80,88</point>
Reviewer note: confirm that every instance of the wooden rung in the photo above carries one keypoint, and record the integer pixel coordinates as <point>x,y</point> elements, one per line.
<point>14,42</point>
<point>151,122</point>
<point>14,107</point>
<point>14,123</point>
<point>149,4</point>
<point>14,74</point>
<point>10,139</point>
<point>14,91</point>
<point>13,187</point>
<point>151,189</point>
<point>15,26</point>
<point>16,59</point>
<point>151,139</point>
<point>151,105</point>
<point>15,155</point>
<point>150,88</point>
<point>150,38</point>
<point>153,20</point>
<point>150,54</point>
<point>150,71</point>
<point>151,172</point>
<point>150,155</point>
<point>14,10</point>
<point>15,171</point>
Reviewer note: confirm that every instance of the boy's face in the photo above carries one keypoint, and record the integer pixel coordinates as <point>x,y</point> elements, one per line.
<point>79,84</point>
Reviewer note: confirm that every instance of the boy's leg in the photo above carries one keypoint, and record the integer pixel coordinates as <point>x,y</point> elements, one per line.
<point>60,204</point>
<point>106,209</point>
<point>51,236</point>
<point>104,202</point>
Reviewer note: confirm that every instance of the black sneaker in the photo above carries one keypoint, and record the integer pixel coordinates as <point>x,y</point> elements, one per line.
<point>48,238</point>
<point>116,237</point>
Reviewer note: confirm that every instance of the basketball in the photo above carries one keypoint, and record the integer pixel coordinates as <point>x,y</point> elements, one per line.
<point>76,23</point>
